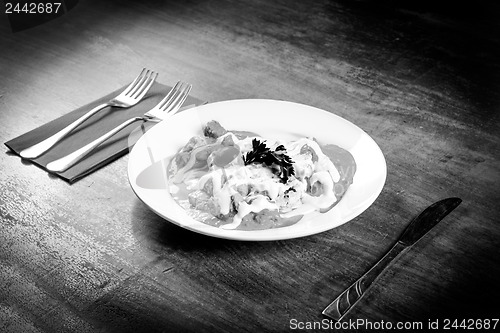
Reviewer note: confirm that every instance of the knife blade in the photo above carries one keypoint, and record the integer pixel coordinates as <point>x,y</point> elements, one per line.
<point>417,229</point>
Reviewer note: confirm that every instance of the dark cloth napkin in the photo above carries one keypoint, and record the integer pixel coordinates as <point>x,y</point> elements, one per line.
<point>97,125</point>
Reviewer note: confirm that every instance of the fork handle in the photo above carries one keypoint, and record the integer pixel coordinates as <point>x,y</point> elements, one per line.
<point>41,147</point>
<point>349,297</point>
<point>69,160</point>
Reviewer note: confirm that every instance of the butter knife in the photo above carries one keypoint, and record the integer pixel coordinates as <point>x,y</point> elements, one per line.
<point>417,228</point>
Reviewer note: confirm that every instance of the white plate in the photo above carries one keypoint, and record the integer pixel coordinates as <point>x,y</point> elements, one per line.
<point>274,119</point>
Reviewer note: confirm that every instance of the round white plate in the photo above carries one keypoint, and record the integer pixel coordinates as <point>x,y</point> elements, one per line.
<point>271,119</point>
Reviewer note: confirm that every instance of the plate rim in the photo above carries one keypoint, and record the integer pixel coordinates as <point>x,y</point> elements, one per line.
<point>260,235</point>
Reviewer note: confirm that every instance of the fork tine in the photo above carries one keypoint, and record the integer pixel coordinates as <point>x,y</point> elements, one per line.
<point>143,79</point>
<point>146,85</point>
<point>170,96</point>
<point>136,80</point>
<point>179,99</point>
<point>184,96</point>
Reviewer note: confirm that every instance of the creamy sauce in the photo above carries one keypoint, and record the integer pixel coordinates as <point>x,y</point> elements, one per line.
<point>328,179</point>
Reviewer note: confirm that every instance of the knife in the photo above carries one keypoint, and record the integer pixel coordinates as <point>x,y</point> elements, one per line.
<point>417,229</point>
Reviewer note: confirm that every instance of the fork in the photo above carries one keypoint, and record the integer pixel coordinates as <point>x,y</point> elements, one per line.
<point>167,107</point>
<point>129,97</point>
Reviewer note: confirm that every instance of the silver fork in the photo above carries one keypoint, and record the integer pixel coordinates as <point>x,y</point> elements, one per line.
<point>167,107</point>
<point>129,97</point>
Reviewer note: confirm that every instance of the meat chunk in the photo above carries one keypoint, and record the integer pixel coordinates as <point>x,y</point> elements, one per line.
<point>195,141</point>
<point>184,154</point>
<point>214,130</point>
<point>202,201</point>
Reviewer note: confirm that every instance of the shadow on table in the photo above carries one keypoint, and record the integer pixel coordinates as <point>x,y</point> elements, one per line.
<point>161,235</point>
<point>449,47</point>
<point>166,239</point>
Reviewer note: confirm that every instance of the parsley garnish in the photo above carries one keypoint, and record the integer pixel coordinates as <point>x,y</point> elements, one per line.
<point>278,161</point>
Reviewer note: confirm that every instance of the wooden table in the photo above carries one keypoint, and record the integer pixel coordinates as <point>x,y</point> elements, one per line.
<point>422,80</point>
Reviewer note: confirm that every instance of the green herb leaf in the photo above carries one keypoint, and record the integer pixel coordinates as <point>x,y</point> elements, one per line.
<point>278,161</point>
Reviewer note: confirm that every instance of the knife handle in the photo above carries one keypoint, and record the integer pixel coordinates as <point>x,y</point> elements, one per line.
<point>349,297</point>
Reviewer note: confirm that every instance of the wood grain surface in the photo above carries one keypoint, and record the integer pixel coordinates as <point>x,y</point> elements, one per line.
<point>423,80</point>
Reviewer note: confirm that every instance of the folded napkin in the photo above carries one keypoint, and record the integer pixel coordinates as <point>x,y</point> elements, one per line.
<point>97,125</point>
